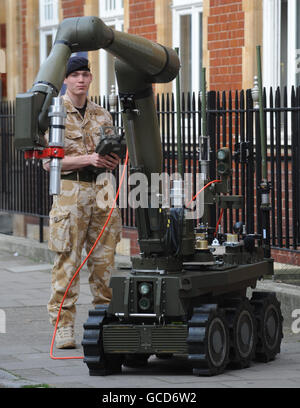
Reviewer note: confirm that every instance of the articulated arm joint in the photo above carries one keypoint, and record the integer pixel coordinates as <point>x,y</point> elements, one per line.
<point>128,99</point>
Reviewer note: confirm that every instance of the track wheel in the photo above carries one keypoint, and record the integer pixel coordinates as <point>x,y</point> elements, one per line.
<point>208,340</point>
<point>98,362</point>
<point>242,331</point>
<point>269,325</point>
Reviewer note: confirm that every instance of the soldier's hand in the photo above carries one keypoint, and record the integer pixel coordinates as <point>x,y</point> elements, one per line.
<point>109,162</point>
<point>114,159</point>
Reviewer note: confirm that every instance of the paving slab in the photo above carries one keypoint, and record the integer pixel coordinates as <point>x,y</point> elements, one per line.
<point>30,268</point>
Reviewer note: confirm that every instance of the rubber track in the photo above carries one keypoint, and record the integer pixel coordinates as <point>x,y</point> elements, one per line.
<point>232,307</point>
<point>97,361</point>
<point>197,340</point>
<point>259,301</point>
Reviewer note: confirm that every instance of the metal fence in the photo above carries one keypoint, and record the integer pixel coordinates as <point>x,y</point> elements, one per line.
<point>232,121</point>
<point>24,185</point>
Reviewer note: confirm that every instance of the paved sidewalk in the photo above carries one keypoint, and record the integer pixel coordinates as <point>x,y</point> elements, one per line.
<point>24,348</point>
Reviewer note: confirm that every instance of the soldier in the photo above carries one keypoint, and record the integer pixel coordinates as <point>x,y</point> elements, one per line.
<point>75,218</point>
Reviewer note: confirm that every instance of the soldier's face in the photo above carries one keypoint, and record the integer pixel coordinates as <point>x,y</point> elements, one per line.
<point>78,82</point>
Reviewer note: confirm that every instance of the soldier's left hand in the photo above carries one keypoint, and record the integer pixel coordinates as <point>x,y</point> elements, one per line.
<point>112,160</point>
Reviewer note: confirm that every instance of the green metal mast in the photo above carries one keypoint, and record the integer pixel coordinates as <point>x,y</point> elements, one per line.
<point>264,185</point>
<point>261,118</point>
<point>178,109</point>
<point>203,102</point>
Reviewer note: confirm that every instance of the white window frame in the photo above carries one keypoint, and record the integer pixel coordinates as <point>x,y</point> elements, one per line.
<point>111,8</point>
<point>193,8</point>
<point>43,42</point>
<point>47,26</point>
<point>271,43</point>
<point>111,17</point>
<point>272,54</point>
<point>44,22</point>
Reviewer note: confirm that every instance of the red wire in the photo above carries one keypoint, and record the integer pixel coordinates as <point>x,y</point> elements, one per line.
<point>88,255</point>
<point>203,188</point>
<point>76,273</point>
<point>219,220</point>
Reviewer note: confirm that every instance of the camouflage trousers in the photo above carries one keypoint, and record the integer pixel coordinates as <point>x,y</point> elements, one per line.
<point>76,220</point>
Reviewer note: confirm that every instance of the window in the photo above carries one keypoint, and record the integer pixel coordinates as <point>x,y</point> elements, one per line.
<point>281,40</point>
<point>48,12</point>
<point>281,51</point>
<point>111,8</point>
<point>112,13</point>
<point>187,36</point>
<point>48,26</point>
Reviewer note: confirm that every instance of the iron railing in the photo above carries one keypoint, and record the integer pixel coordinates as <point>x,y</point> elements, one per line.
<point>232,121</point>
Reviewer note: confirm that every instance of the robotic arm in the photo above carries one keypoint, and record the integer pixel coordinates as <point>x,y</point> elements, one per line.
<point>152,62</point>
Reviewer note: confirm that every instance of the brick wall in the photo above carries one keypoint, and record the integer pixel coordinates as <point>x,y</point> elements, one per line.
<point>225,42</point>
<point>3,36</point>
<point>3,76</point>
<point>132,235</point>
<point>142,18</point>
<point>72,8</point>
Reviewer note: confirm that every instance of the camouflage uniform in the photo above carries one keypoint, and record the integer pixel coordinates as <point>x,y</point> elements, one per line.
<point>76,219</point>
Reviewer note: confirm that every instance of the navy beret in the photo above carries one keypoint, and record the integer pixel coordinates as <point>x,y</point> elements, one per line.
<point>77,64</point>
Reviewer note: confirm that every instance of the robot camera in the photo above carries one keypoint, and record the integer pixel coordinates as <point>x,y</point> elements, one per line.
<point>111,141</point>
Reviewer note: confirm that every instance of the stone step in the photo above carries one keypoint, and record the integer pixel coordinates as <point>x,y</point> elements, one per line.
<point>287,273</point>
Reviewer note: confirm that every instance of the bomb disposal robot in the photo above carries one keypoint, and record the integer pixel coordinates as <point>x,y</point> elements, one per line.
<point>182,296</point>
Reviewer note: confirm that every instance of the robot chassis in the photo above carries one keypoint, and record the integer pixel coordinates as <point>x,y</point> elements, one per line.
<point>184,295</point>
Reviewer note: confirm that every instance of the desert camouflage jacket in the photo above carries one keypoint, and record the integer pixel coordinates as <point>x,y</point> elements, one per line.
<point>82,134</point>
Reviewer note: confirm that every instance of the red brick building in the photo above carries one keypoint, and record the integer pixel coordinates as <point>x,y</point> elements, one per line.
<point>220,35</point>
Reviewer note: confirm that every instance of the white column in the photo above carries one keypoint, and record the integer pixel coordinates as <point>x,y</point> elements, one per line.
<point>293,53</point>
<point>271,43</point>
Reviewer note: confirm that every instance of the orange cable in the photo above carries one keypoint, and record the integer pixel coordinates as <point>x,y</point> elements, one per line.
<point>219,220</point>
<point>76,273</point>
<point>88,255</point>
<point>203,188</point>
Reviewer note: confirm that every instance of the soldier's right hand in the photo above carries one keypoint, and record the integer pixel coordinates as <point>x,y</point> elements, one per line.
<point>95,160</point>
